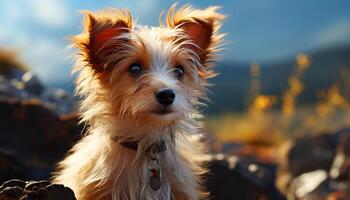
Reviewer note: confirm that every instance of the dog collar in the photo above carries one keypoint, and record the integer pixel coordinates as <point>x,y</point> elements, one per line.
<point>157,147</point>
<point>153,164</point>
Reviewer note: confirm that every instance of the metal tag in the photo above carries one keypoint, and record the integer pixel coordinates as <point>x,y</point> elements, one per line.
<point>154,182</point>
<point>154,168</point>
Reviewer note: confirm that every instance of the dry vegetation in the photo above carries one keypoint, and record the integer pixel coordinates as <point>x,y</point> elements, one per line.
<point>269,119</point>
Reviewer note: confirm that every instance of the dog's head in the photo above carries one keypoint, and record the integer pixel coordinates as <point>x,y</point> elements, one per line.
<point>152,75</point>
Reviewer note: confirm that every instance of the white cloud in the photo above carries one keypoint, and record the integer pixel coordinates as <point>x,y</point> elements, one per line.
<point>335,34</point>
<point>52,13</point>
<point>47,58</point>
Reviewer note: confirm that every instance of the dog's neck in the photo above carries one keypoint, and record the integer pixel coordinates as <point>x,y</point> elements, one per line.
<point>152,150</point>
<point>141,138</point>
<point>156,147</point>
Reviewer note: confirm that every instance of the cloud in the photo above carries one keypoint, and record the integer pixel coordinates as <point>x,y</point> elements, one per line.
<point>33,27</point>
<point>47,59</point>
<point>52,13</point>
<point>336,34</point>
<point>49,13</point>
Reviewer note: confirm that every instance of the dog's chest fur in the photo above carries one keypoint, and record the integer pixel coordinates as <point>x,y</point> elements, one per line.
<point>122,174</point>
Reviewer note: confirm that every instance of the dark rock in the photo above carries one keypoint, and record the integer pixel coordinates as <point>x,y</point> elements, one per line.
<point>29,87</point>
<point>57,192</point>
<point>58,100</point>
<point>317,167</point>
<point>11,167</point>
<point>13,192</point>
<point>341,165</point>
<point>37,137</point>
<point>13,183</point>
<point>307,154</point>
<point>14,73</point>
<point>32,83</point>
<point>311,153</point>
<point>317,185</point>
<point>35,190</point>
<point>232,178</point>
<point>12,89</point>
<point>36,184</point>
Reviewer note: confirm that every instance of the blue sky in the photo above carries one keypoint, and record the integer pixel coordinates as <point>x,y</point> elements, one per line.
<point>258,30</point>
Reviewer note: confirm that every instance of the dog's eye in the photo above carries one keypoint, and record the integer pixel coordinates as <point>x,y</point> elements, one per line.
<point>135,69</point>
<point>179,71</point>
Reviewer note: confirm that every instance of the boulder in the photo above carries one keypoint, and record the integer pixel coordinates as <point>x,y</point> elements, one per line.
<point>36,136</point>
<point>34,190</point>
<point>316,167</point>
<point>230,177</point>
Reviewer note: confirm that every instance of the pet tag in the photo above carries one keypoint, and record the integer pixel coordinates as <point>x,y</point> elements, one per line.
<point>154,182</point>
<point>154,168</point>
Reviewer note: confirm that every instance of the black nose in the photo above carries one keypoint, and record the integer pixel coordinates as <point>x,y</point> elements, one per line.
<point>165,96</point>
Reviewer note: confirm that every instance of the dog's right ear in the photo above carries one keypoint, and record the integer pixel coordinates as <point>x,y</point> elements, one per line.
<point>103,33</point>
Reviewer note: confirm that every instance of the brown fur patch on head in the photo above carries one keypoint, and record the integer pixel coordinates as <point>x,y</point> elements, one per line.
<point>95,43</point>
<point>202,27</point>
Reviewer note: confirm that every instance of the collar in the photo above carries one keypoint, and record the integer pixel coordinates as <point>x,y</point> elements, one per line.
<point>157,147</point>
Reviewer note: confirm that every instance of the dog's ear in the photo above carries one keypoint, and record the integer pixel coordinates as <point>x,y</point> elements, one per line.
<point>102,34</point>
<point>201,26</point>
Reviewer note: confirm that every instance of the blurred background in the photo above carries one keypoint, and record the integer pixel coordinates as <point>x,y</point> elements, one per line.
<point>282,97</point>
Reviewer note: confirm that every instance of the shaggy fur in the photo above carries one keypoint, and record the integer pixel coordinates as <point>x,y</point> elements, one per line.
<point>116,104</point>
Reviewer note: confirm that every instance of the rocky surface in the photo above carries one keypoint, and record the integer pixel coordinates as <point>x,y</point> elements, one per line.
<point>29,87</point>
<point>34,190</point>
<point>316,167</point>
<point>37,124</point>
<point>231,177</point>
<point>33,138</point>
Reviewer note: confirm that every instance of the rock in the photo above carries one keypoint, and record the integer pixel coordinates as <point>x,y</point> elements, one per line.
<point>341,165</point>
<point>12,89</point>
<point>316,167</point>
<point>34,190</point>
<point>58,100</point>
<point>311,153</point>
<point>232,178</point>
<point>32,83</point>
<point>10,166</point>
<point>305,185</point>
<point>307,154</point>
<point>317,185</point>
<point>36,136</point>
<point>28,86</point>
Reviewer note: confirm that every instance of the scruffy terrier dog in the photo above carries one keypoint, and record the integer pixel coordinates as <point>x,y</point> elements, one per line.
<point>140,86</point>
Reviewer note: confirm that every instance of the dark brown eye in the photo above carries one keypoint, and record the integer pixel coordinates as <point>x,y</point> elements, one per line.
<point>135,69</point>
<point>179,71</point>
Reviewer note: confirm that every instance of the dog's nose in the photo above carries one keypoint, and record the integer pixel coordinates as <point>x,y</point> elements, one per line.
<point>165,96</point>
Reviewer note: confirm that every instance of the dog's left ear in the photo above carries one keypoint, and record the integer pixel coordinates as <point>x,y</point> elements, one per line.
<point>201,26</point>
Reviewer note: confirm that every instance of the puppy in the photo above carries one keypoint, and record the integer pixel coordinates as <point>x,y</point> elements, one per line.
<point>139,87</point>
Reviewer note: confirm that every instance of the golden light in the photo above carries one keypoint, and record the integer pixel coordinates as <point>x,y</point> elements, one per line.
<point>303,61</point>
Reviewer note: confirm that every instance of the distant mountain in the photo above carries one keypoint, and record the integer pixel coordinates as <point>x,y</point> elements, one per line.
<point>231,87</point>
